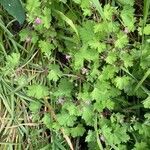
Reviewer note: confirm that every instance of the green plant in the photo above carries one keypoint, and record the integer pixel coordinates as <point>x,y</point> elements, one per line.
<point>84,74</point>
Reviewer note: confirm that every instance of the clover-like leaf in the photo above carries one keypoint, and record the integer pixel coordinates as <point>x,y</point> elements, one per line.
<point>37,91</point>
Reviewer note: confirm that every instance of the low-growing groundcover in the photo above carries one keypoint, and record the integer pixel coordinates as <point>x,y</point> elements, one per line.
<point>76,76</point>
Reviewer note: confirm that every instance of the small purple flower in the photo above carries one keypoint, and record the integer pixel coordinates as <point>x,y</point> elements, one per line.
<point>38,21</point>
<point>84,70</point>
<point>68,57</point>
<point>126,30</point>
<point>28,39</point>
<point>60,100</point>
<point>102,138</point>
<point>87,102</point>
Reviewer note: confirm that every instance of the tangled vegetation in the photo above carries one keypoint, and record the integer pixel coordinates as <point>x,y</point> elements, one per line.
<point>75,75</point>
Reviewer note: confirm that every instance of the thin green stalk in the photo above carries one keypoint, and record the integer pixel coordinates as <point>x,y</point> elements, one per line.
<point>142,87</point>
<point>142,80</point>
<point>99,8</point>
<point>5,29</point>
<point>3,49</point>
<point>145,16</point>
<point>97,134</point>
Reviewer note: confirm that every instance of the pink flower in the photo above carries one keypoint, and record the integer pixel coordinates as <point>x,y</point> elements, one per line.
<point>126,30</point>
<point>28,39</point>
<point>60,100</point>
<point>84,70</point>
<point>68,57</point>
<point>38,21</point>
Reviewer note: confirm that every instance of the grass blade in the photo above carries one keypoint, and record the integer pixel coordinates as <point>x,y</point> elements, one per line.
<point>68,21</point>
<point>99,8</point>
<point>143,79</point>
<point>146,10</point>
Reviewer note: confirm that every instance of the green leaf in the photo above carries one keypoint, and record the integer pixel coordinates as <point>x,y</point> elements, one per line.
<point>141,146</point>
<point>72,108</point>
<point>65,119</point>
<point>85,53</point>
<point>146,30</point>
<point>37,91</point>
<point>108,72</point>
<point>88,115</point>
<point>64,88</point>
<point>86,30</point>
<point>128,59</point>
<point>91,136</point>
<point>102,95</point>
<point>127,15</point>
<point>109,12</point>
<point>126,2</point>
<point>35,106</point>
<point>143,129</point>
<point>77,131</point>
<point>98,45</point>
<point>46,47</point>
<point>100,105</point>
<point>54,73</point>
<point>15,9</point>
<point>47,120</point>
<point>85,5</point>
<point>146,102</point>
<point>115,136</point>
<point>122,40</point>
<point>13,60</point>
<point>33,5</point>
<point>33,10</point>
<point>89,54</point>
<point>122,82</point>
<point>112,57</point>
<point>27,35</point>
<point>85,94</point>
<point>78,60</point>
<point>46,18</point>
<point>106,27</point>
